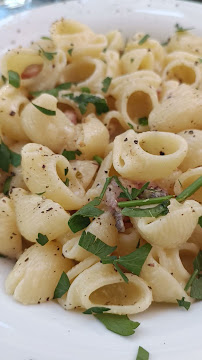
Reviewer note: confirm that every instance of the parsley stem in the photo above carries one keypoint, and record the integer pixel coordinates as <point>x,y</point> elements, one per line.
<point>142,202</point>
<point>107,182</point>
<point>98,159</point>
<point>191,189</point>
<point>191,279</point>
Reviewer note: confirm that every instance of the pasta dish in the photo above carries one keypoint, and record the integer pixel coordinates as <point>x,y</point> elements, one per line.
<point>101,171</point>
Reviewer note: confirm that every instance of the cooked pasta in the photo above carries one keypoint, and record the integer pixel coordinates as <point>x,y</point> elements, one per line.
<point>101,170</point>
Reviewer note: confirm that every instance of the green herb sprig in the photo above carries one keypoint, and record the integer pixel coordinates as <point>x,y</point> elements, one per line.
<point>8,157</point>
<point>84,99</point>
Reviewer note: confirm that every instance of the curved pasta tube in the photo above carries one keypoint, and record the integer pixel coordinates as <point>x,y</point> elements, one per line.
<point>102,227</point>
<point>185,41</point>
<point>172,230</point>
<point>186,179</point>
<point>183,71</point>
<point>35,275</point>
<point>10,238</point>
<point>100,285</point>
<point>165,288</point>
<point>134,101</point>
<point>92,137</point>
<point>44,172</point>
<point>46,72</point>
<point>85,171</point>
<point>169,182</point>
<point>139,156</point>
<point>194,155</point>
<point>81,266</point>
<point>181,110</point>
<point>12,101</point>
<point>196,237</point>
<point>151,45</point>
<point>86,72</point>
<point>127,241</point>
<point>101,177</point>
<point>139,59</point>
<point>35,215</point>
<point>52,131</point>
<point>115,40</point>
<point>112,60</point>
<point>167,88</point>
<point>70,34</point>
<point>113,120</point>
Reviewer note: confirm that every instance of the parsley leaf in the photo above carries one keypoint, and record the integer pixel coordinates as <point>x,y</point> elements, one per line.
<point>143,121</point>
<point>142,354</point>
<point>48,55</point>
<point>194,282</point>
<point>98,159</point>
<point>89,242</point>
<point>85,90</point>
<point>143,39</point>
<point>196,289</point>
<point>45,38</point>
<point>181,29</point>
<point>42,239</point>
<point>70,51</point>
<point>40,193</point>
<point>119,324</point>
<point>66,182</point>
<point>159,210</point>
<point>143,202</point>
<point>200,221</point>
<point>124,277</point>
<point>8,157</point>
<point>54,91</point>
<point>71,155</point>
<point>62,286</point>
<point>84,99</point>
<point>45,111</point>
<point>183,303</point>
<point>131,126</point>
<point>106,84</point>
<point>96,310</point>
<point>7,184</point>
<point>14,79</point>
<point>191,189</point>
<point>134,261</point>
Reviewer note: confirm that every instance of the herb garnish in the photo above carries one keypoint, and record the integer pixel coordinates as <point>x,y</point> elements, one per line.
<point>159,210</point>
<point>42,239</point>
<point>66,182</point>
<point>142,354</point>
<point>106,84</point>
<point>191,189</point>
<point>195,281</point>
<point>14,79</point>
<point>200,221</point>
<point>143,202</point>
<point>48,55</point>
<point>96,310</point>
<point>143,39</point>
<point>131,126</point>
<point>119,324</point>
<point>45,38</point>
<point>84,99</point>
<point>8,157</point>
<point>85,90</point>
<point>7,184</point>
<point>70,51</point>
<point>62,286</point>
<point>98,159</point>
<point>180,29</point>
<point>54,91</point>
<point>45,111</point>
<point>71,155</point>
<point>183,303</point>
<point>90,243</point>
<point>143,121</point>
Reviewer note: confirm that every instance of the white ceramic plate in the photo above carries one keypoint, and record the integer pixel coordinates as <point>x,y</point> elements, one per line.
<point>46,331</point>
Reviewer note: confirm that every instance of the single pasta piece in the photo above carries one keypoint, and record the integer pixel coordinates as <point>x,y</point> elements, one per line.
<point>139,59</point>
<point>112,60</point>
<point>185,41</point>
<point>115,41</point>
<point>102,227</point>
<point>85,171</point>
<point>169,182</point>
<point>10,238</point>
<point>186,179</point>
<point>172,230</point>
<point>149,155</point>
<point>194,155</point>
<point>113,120</point>
<point>44,172</point>
<point>181,110</point>
<point>165,288</point>
<point>184,72</point>
<point>52,131</point>
<point>100,285</point>
<point>12,102</point>
<point>35,275</point>
<point>35,214</point>
<point>81,266</point>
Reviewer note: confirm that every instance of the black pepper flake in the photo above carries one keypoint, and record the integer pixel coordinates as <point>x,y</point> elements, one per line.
<point>26,259</point>
<point>135,141</point>
<point>126,139</point>
<point>191,132</point>
<point>49,209</point>
<point>161,153</point>
<point>12,113</point>
<point>43,166</point>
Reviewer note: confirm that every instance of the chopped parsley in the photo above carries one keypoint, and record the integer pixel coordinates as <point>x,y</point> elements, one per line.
<point>66,171</point>
<point>45,111</point>
<point>165,43</point>
<point>195,280</point>
<point>14,79</point>
<point>143,202</point>
<point>143,39</point>
<point>7,185</point>
<point>42,239</point>
<point>159,210</point>
<point>54,91</point>
<point>200,221</point>
<point>84,99</point>
<point>8,157</point>
<point>143,121</point>
<point>66,182</point>
<point>142,354</point>
<point>45,38</point>
<point>131,60</point>
<point>106,84</point>
<point>119,324</point>
<point>95,310</point>
<point>85,90</point>
<point>62,286</point>
<point>98,159</point>
<point>71,155</point>
<point>183,303</point>
<point>131,126</point>
<point>48,55</point>
<point>180,29</point>
<point>200,60</point>
<point>95,246</point>
<point>70,51</point>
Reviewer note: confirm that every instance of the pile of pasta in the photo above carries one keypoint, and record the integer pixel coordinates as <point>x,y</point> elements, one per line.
<point>85,114</point>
